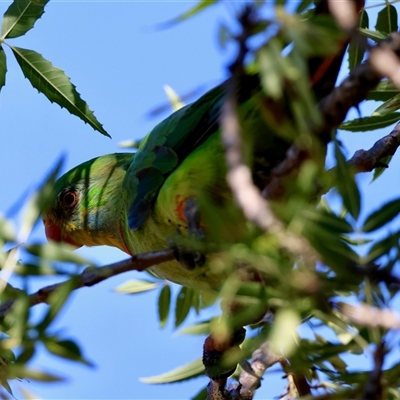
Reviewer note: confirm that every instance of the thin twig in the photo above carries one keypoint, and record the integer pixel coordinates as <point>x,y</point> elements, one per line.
<point>91,276</point>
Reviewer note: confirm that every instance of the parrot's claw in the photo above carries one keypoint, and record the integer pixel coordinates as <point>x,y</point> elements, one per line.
<point>190,259</point>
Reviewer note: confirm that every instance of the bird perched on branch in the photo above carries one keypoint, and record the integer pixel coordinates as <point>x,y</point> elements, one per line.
<point>176,181</point>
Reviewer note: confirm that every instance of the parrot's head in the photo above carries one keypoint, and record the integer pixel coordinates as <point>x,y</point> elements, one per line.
<point>86,205</point>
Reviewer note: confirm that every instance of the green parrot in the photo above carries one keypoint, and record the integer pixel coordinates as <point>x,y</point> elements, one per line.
<point>135,201</point>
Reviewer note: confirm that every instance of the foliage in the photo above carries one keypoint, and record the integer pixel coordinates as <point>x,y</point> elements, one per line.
<point>353,261</point>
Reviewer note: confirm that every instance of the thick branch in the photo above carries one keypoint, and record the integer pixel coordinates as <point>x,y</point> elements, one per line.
<point>367,160</point>
<point>91,276</point>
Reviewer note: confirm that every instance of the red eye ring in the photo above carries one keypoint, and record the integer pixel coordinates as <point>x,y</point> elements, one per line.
<point>69,198</point>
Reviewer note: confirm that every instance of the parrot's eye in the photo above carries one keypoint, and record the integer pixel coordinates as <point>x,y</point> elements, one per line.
<point>69,198</point>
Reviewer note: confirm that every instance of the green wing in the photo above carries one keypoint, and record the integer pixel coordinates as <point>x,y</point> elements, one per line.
<point>168,144</point>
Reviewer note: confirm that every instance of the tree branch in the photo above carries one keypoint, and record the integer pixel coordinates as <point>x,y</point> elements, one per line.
<point>91,276</point>
<point>334,108</point>
<point>367,160</point>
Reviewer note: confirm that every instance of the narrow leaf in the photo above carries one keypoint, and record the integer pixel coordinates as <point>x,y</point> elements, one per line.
<point>56,301</point>
<point>21,16</point>
<point>188,371</point>
<point>383,92</point>
<point>164,304</point>
<point>201,328</point>
<point>183,304</point>
<point>57,252</point>
<point>380,170</point>
<point>173,97</point>
<point>328,220</point>
<point>376,36</point>
<point>55,85</point>
<point>387,19</point>
<point>370,123</point>
<point>382,247</point>
<point>3,67</point>
<point>388,106</point>
<point>358,43</point>
<point>346,184</point>
<point>383,215</point>
<point>134,286</point>
<point>200,6</point>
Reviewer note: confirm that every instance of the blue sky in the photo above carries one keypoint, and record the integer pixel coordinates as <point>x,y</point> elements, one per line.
<point>119,63</point>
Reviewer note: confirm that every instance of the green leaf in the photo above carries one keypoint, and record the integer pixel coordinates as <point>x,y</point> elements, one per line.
<point>164,304</point>
<point>383,92</point>
<point>134,286</point>
<point>373,35</point>
<point>370,123</point>
<point>21,16</point>
<point>358,43</point>
<point>55,85</point>
<point>389,106</point>
<point>380,170</point>
<point>387,19</point>
<point>183,305</point>
<point>56,301</point>
<point>3,67</point>
<point>6,230</point>
<point>382,247</point>
<point>201,328</point>
<point>346,184</point>
<point>66,349</point>
<point>57,252</point>
<point>328,220</point>
<point>283,336</point>
<point>200,6</point>
<point>174,99</point>
<point>17,371</point>
<point>383,215</point>
<point>201,395</point>
<point>180,374</point>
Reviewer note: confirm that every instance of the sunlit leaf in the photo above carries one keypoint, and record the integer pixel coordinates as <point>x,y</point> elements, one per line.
<point>389,106</point>
<point>188,371</point>
<point>383,92</point>
<point>383,215</point>
<point>201,328</point>
<point>6,230</point>
<point>17,371</point>
<point>174,99</point>
<point>55,85</point>
<point>57,252</point>
<point>373,35</point>
<point>21,16</point>
<point>283,335</point>
<point>387,19</point>
<point>164,304</point>
<point>370,123</point>
<point>134,286</point>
